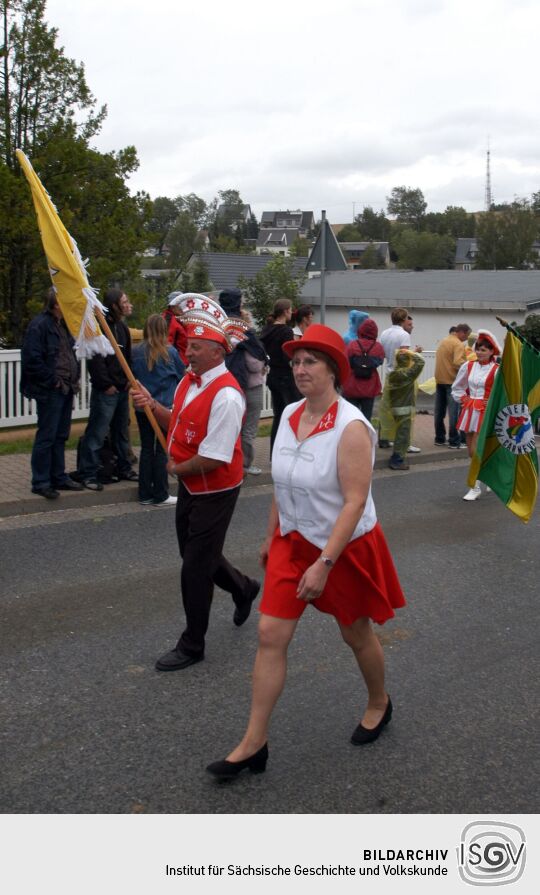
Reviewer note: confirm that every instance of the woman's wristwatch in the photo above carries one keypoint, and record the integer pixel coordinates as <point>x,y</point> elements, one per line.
<point>326,560</point>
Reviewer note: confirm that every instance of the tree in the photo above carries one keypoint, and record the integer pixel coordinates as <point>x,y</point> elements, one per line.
<point>373,225</point>
<point>200,280</point>
<point>275,280</point>
<point>505,238</point>
<point>195,207</point>
<point>454,221</point>
<point>252,227</point>
<point>424,251</point>
<point>300,248</point>
<point>349,233</point>
<point>227,216</point>
<point>48,110</point>
<point>530,330</point>
<point>408,205</point>
<point>162,218</point>
<point>457,222</point>
<point>371,259</point>
<point>183,240</point>
<point>223,243</point>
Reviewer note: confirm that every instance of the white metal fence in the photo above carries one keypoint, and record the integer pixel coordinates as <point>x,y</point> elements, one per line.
<point>16,410</point>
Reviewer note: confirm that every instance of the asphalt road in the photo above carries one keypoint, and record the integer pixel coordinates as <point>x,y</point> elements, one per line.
<point>90,599</point>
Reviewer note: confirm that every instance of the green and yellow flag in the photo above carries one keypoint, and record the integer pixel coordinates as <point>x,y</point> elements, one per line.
<point>75,296</point>
<point>506,458</point>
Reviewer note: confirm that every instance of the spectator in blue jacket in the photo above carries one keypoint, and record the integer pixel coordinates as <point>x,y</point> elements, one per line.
<point>157,366</point>
<point>50,376</point>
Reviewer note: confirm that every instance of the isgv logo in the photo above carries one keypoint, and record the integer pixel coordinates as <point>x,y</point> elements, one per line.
<point>491,853</point>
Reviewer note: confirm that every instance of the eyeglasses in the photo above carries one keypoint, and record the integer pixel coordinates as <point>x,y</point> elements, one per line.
<point>307,362</point>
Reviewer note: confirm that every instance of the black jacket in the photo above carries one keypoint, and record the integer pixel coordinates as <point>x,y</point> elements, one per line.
<point>236,361</point>
<point>106,371</point>
<point>38,356</point>
<point>273,336</point>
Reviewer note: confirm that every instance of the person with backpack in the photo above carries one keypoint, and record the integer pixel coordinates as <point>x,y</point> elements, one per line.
<point>365,355</point>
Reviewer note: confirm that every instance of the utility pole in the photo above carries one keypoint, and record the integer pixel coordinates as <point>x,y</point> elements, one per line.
<point>488,196</point>
<point>323,266</point>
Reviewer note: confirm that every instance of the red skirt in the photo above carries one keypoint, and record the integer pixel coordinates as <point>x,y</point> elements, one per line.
<point>363,582</point>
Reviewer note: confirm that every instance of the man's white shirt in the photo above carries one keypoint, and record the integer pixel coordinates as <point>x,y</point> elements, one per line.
<point>391,339</point>
<point>225,420</point>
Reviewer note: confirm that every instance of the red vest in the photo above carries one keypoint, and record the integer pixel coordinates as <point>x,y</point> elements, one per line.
<point>189,427</point>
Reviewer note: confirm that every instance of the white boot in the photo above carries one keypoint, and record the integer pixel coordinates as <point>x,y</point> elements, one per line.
<point>474,492</point>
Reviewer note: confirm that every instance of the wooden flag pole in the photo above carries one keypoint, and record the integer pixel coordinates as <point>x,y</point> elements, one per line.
<point>127,370</point>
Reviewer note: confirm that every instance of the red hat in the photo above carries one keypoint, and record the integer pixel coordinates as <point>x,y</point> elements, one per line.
<point>322,338</point>
<point>203,318</point>
<point>484,335</point>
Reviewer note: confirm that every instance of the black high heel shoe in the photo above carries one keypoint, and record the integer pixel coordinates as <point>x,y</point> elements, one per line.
<point>363,735</point>
<point>226,770</point>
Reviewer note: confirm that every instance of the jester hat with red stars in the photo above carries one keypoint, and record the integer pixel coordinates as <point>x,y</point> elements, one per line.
<point>203,318</point>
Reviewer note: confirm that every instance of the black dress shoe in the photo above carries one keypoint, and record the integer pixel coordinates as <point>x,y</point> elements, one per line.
<point>49,493</point>
<point>241,614</point>
<point>69,485</point>
<point>363,735</point>
<point>175,660</point>
<point>226,770</point>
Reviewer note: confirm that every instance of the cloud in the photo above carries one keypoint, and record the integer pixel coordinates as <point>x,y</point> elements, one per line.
<point>316,106</point>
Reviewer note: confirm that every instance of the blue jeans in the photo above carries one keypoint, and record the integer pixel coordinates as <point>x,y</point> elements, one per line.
<point>153,475</point>
<point>107,412</point>
<point>54,423</point>
<point>443,402</point>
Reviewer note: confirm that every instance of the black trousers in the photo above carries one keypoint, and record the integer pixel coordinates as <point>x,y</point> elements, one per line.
<point>202,521</point>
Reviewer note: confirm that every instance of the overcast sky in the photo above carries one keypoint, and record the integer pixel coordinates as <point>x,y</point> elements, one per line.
<point>310,104</point>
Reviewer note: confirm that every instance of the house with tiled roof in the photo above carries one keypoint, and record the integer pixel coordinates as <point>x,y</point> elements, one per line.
<point>275,241</point>
<point>466,252</point>
<point>353,251</point>
<point>226,268</point>
<point>302,221</point>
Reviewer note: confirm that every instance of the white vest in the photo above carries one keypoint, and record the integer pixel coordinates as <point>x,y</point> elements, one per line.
<point>305,475</point>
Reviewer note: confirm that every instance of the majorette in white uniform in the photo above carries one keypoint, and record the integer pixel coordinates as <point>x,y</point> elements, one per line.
<point>471,389</point>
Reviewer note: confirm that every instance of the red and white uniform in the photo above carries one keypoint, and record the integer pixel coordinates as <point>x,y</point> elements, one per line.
<point>206,420</point>
<point>471,389</point>
<point>363,581</point>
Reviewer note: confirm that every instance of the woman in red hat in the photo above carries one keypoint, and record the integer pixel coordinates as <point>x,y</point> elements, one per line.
<point>471,389</point>
<point>324,545</point>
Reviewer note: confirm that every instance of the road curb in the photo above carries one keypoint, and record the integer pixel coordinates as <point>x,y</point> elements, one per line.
<point>124,492</point>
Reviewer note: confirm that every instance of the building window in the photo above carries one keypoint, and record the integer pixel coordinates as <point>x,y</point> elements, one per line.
<point>466,267</point>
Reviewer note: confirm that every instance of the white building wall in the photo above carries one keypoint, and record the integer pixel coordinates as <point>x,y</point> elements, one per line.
<point>430,326</point>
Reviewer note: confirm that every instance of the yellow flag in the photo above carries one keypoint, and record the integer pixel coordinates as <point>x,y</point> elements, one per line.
<point>75,296</point>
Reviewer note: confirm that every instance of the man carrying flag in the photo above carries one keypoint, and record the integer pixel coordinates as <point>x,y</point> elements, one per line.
<point>506,459</point>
